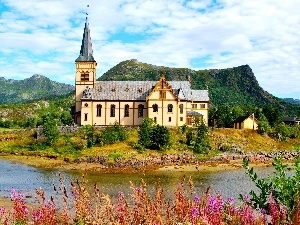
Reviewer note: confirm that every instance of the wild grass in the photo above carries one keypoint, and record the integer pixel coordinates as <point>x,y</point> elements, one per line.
<point>72,147</point>
<point>82,206</point>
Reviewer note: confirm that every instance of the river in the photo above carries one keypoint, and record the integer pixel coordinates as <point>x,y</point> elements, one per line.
<point>25,179</point>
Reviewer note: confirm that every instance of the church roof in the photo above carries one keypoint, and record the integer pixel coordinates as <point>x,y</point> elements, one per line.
<point>139,90</point>
<point>86,51</point>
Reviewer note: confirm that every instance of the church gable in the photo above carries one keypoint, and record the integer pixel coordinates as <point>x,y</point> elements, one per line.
<point>162,90</point>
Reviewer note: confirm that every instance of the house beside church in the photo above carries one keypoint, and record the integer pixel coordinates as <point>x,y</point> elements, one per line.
<point>100,103</point>
<point>246,122</point>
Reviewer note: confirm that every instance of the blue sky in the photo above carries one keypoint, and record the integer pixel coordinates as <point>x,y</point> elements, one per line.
<point>44,37</point>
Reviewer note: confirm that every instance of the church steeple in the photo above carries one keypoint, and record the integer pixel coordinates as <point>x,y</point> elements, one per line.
<point>86,51</point>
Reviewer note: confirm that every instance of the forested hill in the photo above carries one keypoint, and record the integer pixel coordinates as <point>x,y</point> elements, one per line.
<point>232,86</point>
<point>33,88</point>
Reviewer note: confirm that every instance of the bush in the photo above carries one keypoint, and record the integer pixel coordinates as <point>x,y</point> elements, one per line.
<point>88,132</point>
<point>144,132</point>
<point>50,132</point>
<point>198,137</point>
<point>263,127</point>
<point>160,137</point>
<point>285,189</point>
<point>112,134</point>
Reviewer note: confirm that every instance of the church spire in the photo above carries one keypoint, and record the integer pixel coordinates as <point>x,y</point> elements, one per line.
<point>86,52</point>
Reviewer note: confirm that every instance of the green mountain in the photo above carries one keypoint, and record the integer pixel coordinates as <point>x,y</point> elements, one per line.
<point>19,115</point>
<point>33,88</point>
<point>232,86</point>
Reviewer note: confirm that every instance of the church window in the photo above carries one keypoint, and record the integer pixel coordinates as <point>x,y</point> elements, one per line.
<point>155,119</point>
<point>140,110</point>
<point>85,77</point>
<point>126,111</point>
<point>194,106</point>
<point>202,106</point>
<point>181,108</point>
<point>99,108</point>
<point>181,119</point>
<point>170,108</point>
<point>112,111</point>
<point>86,105</point>
<point>85,117</point>
<point>162,94</point>
<point>170,119</point>
<point>155,107</point>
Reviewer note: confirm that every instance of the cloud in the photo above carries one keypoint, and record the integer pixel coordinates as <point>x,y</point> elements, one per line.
<point>44,36</point>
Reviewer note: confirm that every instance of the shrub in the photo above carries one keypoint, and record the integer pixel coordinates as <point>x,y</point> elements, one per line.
<point>263,127</point>
<point>198,137</point>
<point>144,132</point>
<point>88,132</point>
<point>112,134</point>
<point>283,188</point>
<point>160,137</point>
<point>50,132</point>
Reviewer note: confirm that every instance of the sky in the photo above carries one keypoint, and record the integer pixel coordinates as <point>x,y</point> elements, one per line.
<point>44,37</point>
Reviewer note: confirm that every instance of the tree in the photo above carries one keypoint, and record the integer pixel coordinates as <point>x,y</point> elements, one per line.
<point>50,131</point>
<point>160,137</point>
<point>198,137</point>
<point>273,115</point>
<point>88,132</point>
<point>202,139</point>
<point>144,132</point>
<point>263,125</point>
<point>66,118</point>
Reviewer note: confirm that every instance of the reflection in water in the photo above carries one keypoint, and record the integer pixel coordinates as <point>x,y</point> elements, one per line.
<point>26,179</point>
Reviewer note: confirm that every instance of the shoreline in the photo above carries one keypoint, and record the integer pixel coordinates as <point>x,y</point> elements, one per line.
<point>59,164</point>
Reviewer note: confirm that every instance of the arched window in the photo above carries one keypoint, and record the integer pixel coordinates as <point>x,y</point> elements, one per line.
<point>84,76</point>
<point>112,111</point>
<point>170,108</point>
<point>126,111</point>
<point>155,107</point>
<point>140,110</point>
<point>99,108</point>
<point>181,108</point>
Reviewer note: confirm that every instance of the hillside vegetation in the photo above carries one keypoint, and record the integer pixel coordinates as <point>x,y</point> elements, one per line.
<point>36,87</point>
<point>231,87</point>
<point>29,115</point>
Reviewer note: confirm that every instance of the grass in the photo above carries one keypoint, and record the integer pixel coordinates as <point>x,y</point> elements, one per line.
<point>72,147</point>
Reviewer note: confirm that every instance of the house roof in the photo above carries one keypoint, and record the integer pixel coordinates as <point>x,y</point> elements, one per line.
<point>139,90</point>
<point>241,119</point>
<point>290,119</point>
<point>193,113</point>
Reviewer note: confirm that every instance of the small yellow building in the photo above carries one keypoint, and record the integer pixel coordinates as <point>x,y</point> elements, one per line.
<point>246,122</point>
<point>100,103</point>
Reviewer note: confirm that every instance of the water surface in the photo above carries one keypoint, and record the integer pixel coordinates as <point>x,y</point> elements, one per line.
<point>26,178</point>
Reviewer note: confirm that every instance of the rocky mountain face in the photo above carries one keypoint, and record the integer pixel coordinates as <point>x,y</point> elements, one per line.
<point>232,86</point>
<point>33,88</point>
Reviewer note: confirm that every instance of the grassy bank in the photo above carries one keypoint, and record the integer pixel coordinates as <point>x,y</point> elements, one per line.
<point>68,149</point>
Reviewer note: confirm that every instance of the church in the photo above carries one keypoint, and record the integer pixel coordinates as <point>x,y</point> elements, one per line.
<point>100,103</point>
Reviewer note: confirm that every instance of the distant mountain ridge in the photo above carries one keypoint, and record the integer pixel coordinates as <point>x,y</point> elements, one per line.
<point>33,88</point>
<point>292,100</point>
<point>232,86</point>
